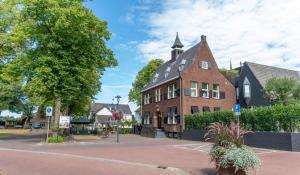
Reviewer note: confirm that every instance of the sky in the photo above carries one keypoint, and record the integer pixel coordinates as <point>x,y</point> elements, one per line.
<point>260,31</point>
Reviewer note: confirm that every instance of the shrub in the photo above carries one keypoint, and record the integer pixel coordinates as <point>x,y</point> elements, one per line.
<point>57,139</point>
<point>240,158</point>
<point>125,130</point>
<point>272,118</point>
<point>229,150</point>
<point>224,135</point>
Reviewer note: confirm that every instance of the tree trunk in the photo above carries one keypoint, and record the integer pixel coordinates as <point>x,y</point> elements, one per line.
<point>57,113</point>
<point>25,123</point>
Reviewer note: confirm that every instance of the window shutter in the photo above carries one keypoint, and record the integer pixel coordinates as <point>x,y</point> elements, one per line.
<point>209,65</point>
<point>166,120</point>
<point>177,92</point>
<point>200,64</point>
<point>150,100</point>
<point>210,94</point>
<point>187,92</point>
<point>161,97</point>
<point>177,118</point>
<point>165,96</point>
<point>222,95</point>
<point>150,120</point>
<point>143,120</point>
<point>200,93</point>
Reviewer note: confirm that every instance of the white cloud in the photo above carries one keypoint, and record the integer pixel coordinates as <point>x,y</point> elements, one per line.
<point>262,31</point>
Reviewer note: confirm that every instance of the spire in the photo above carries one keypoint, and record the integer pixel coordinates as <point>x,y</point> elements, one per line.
<point>177,43</point>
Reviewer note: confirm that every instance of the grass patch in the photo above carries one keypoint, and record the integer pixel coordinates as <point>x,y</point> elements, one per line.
<point>57,139</point>
<point>15,131</point>
<point>6,134</point>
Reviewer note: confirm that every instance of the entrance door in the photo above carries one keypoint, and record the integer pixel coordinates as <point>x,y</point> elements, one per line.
<point>159,120</point>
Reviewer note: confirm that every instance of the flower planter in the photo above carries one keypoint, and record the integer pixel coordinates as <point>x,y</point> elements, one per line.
<point>230,171</point>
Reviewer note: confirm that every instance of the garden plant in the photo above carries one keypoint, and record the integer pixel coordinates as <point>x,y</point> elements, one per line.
<point>229,153</point>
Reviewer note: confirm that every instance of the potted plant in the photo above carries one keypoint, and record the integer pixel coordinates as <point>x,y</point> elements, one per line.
<point>229,153</point>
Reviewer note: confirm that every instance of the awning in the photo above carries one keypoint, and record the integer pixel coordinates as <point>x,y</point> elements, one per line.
<point>80,121</point>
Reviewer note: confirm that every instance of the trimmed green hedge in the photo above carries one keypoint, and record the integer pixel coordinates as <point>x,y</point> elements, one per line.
<point>125,130</point>
<point>273,118</point>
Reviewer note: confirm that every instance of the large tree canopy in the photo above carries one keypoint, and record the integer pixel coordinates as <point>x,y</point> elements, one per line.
<point>282,90</point>
<point>60,51</point>
<point>142,78</point>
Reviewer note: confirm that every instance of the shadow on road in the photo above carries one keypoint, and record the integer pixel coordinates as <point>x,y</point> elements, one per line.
<point>27,138</point>
<point>208,171</point>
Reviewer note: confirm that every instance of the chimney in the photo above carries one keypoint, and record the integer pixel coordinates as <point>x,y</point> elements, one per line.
<point>203,38</point>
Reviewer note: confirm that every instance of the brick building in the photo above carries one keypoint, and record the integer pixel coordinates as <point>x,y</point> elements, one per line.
<point>204,88</point>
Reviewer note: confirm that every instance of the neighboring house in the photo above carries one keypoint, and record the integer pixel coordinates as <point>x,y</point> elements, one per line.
<point>138,115</point>
<point>189,82</point>
<point>102,112</point>
<point>253,78</point>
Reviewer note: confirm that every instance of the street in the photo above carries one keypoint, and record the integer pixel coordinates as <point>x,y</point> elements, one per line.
<point>28,155</point>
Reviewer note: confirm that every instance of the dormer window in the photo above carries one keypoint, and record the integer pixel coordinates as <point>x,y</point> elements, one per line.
<point>167,71</point>
<point>155,78</point>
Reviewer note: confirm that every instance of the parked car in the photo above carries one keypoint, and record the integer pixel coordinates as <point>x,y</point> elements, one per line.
<point>2,127</point>
<point>37,126</point>
<point>18,126</point>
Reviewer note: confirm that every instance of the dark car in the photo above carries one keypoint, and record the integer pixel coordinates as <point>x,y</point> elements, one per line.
<point>37,126</point>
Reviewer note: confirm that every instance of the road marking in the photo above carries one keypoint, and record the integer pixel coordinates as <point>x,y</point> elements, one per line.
<point>181,172</point>
<point>200,147</point>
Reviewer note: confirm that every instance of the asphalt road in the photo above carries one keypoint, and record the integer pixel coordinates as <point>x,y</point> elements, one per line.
<point>27,155</point>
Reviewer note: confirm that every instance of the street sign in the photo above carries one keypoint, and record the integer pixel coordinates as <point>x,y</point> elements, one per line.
<point>64,121</point>
<point>237,109</point>
<point>49,111</point>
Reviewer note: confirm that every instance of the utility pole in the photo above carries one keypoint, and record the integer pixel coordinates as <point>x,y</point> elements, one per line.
<point>118,97</point>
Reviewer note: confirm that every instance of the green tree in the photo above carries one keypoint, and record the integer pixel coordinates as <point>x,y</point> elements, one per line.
<point>282,90</point>
<point>61,51</point>
<point>142,78</point>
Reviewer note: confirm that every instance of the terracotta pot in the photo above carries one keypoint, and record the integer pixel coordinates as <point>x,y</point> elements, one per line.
<point>230,171</point>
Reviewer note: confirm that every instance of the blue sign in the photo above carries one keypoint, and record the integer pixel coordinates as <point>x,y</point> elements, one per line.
<point>237,108</point>
<point>49,110</point>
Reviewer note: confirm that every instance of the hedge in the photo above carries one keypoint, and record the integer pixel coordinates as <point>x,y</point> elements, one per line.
<point>125,130</point>
<point>272,118</point>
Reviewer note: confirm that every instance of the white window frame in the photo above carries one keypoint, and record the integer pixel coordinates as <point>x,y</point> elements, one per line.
<point>248,93</point>
<point>147,99</point>
<point>216,91</point>
<point>195,89</point>
<point>157,95</point>
<point>204,64</point>
<point>205,90</point>
<point>171,119</point>
<point>171,91</point>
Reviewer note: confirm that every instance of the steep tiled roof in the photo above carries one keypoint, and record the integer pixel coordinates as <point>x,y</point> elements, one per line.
<point>98,106</point>
<point>263,72</point>
<point>173,73</point>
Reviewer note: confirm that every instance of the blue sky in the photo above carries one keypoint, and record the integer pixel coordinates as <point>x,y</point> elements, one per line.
<point>261,31</point>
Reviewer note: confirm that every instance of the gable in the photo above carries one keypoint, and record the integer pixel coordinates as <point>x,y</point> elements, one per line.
<point>104,111</point>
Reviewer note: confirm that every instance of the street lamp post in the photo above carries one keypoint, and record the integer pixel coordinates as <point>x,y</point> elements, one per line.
<point>118,97</point>
<point>180,69</point>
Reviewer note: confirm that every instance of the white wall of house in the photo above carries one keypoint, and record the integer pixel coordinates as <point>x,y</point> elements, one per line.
<point>104,111</point>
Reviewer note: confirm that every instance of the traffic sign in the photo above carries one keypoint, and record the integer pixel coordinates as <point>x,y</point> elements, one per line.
<point>49,111</point>
<point>237,109</point>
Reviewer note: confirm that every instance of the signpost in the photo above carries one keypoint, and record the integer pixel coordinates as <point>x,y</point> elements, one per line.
<point>237,113</point>
<point>49,111</point>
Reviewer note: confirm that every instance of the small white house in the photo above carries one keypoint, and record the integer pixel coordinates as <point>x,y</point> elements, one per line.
<point>102,113</point>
